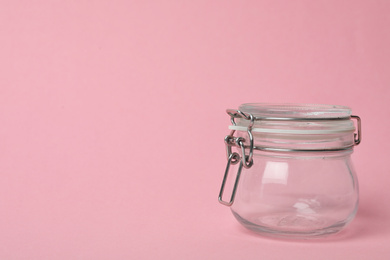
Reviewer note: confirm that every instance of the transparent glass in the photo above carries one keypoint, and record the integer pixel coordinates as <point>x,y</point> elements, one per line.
<point>297,195</point>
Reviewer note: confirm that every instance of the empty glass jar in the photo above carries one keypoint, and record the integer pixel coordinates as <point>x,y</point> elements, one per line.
<point>290,168</point>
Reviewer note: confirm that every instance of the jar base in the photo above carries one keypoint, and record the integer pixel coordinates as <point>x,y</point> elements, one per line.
<point>292,226</point>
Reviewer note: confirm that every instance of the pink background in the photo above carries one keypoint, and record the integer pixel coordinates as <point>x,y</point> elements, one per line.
<point>112,121</point>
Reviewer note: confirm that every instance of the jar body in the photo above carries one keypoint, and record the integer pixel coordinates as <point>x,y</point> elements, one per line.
<point>297,194</point>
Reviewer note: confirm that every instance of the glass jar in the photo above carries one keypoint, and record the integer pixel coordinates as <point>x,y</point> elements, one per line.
<point>290,168</point>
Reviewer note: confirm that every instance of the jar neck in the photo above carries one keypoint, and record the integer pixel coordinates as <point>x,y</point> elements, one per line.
<point>342,154</point>
<point>338,141</point>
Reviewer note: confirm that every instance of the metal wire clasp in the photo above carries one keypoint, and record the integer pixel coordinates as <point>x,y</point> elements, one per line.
<point>233,159</point>
<point>245,160</point>
<point>358,135</point>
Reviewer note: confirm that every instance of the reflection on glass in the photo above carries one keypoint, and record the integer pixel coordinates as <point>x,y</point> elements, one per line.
<point>275,172</point>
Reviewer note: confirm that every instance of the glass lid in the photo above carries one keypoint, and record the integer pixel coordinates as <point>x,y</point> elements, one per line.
<point>296,110</point>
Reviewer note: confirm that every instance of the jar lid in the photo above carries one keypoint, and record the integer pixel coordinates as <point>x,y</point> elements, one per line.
<point>296,110</point>
<point>296,126</point>
<point>299,119</point>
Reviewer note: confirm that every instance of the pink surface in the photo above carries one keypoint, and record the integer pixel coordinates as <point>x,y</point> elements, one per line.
<point>112,121</point>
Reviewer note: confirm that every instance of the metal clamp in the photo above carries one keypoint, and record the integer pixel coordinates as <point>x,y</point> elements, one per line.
<point>247,160</point>
<point>358,135</point>
<point>233,159</point>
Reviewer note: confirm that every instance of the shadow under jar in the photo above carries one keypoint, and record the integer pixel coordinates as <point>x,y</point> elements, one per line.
<point>290,168</point>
